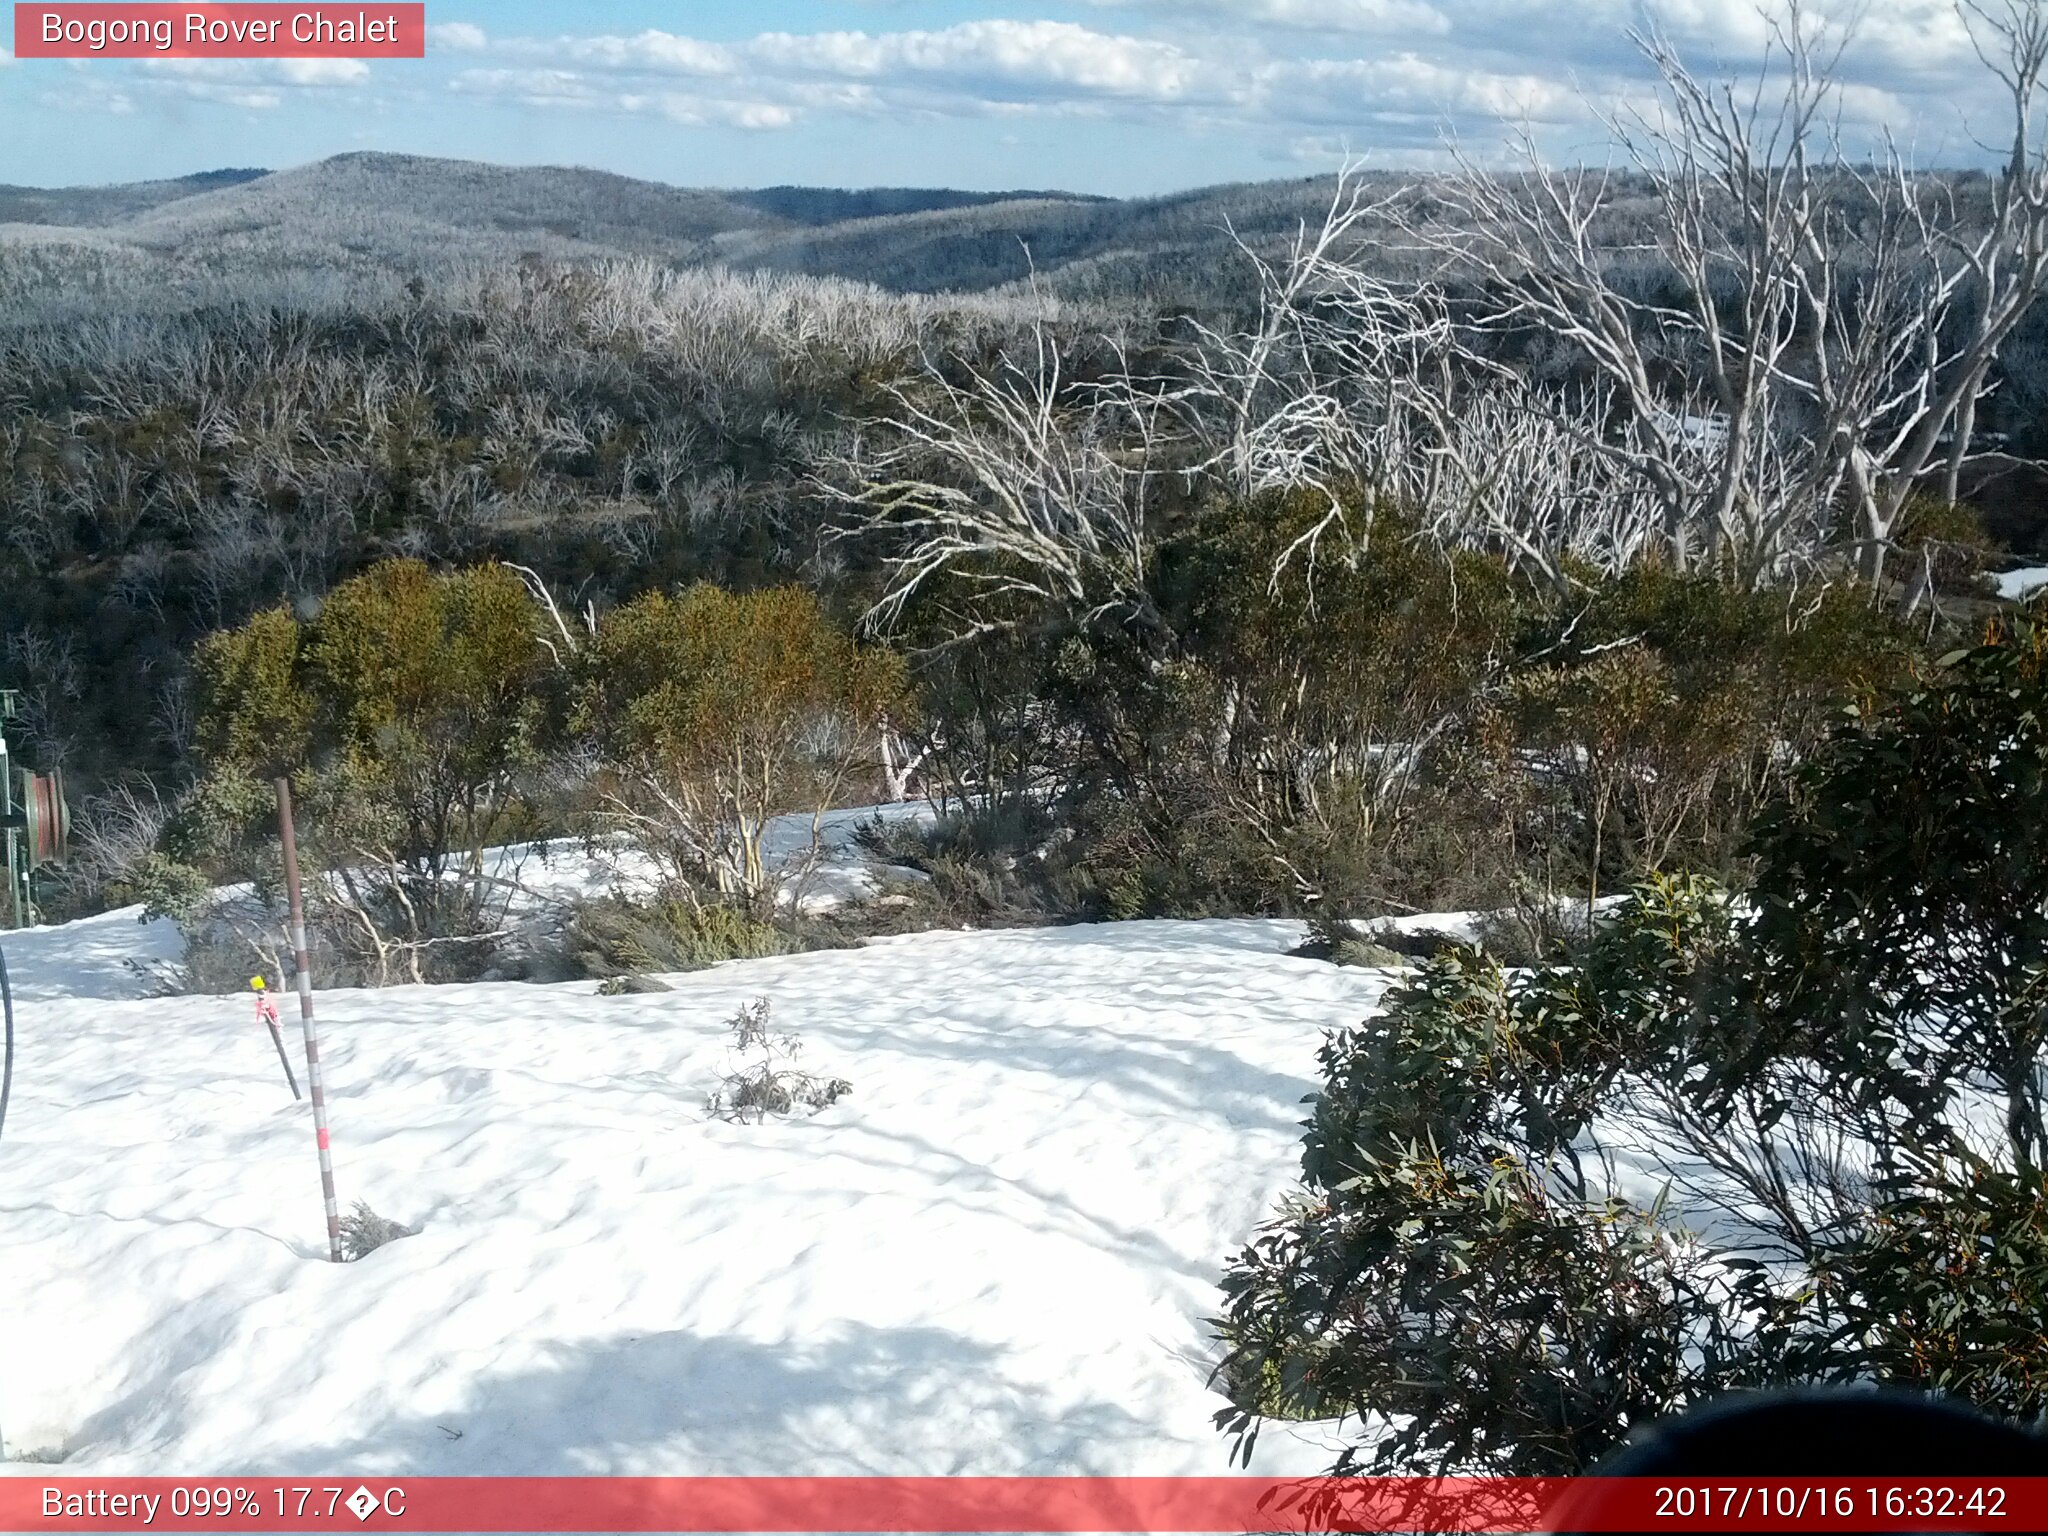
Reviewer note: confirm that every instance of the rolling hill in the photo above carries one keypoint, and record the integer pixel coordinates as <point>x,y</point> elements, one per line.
<point>404,212</point>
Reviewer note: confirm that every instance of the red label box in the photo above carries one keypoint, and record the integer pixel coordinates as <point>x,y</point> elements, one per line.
<point>366,29</point>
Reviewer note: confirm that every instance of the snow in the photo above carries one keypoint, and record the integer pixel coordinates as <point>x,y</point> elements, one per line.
<point>996,1256</point>
<point>108,956</point>
<point>2015,586</point>
<point>840,873</point>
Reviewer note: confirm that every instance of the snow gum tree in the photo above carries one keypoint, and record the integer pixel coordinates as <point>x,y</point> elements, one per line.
<point>412,712</point>
<point>713,711</point>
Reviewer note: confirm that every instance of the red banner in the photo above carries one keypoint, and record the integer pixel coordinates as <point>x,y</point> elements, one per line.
<point>1023,1504</point>
<point>123,31</point>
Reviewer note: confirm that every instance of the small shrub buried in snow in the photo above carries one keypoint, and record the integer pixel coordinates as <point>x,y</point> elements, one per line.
<point>625,986</point>
<point>611,936</point>
<point>363,1232</point>
<point>765,1085</point>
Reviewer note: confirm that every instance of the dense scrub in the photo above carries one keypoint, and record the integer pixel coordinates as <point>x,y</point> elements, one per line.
<point>434,726</point>
<point>1383,728</point>
<point>618,429</point>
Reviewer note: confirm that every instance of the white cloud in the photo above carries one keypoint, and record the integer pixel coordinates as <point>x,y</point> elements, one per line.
<point>460,36</point>
<point>1052,56</point>
<point>652,51</point>
<point>1331,92</point>
<point>1374,17</point>
<point>1287,78</point>
<point>324,71</point>
<point>535,87</point>
<point>776,79</point>
<point>92,94</point>
<point>1290,79</point>
<point>255,84</point>
<point>756,116</point>
<point>573,89</point>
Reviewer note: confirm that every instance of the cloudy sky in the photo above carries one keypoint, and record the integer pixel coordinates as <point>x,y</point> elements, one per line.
<point>1114,96</point>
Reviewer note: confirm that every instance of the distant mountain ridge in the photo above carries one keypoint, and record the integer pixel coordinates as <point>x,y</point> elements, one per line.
<point>368,210</point>
<point>833,205</point>
<point>90,207</point>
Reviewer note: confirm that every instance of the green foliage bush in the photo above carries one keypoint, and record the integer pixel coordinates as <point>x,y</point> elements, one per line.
<point>713,712</point>
<point>1456,1276</point>
<point>412,714</point>
<point>1327,689</point>
<point>1378,725</point>
<point>1943,1288</point>
<point>1904,884</point>
<point>1842,1076</point>
<point>1665,708</point>
<point>1947,539</point>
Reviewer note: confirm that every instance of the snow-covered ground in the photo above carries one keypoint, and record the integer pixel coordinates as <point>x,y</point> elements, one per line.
<point>821,866</point>
<point>2023,583</point>
<point>996,1256</point>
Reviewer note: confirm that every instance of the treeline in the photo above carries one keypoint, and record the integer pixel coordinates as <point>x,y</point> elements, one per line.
<point>1403,728</point>
<point>1398,727</point>
<point>620,429</point>
<point>1145,674</point>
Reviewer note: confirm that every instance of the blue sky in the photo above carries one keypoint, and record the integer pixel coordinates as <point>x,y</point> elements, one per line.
<point>1114,96</point>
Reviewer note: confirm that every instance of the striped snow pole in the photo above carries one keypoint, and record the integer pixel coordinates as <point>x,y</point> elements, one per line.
<point>315,1083</point>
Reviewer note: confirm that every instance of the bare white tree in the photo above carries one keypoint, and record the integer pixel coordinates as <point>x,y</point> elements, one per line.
<point>1012,477</point>
<point>1828,322</point>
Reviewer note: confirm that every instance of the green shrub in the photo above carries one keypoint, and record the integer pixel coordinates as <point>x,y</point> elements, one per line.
<point>411,714</point>
<point>611,936</point>
<point>714,711</point>
<point>1664,709</point>
<point>1947,539</point>
<point>1902,895</point>
<point>1455,1277</point>
<point>1943,1288</point>
<point>1809,1067</point>
<point>1320,702</point>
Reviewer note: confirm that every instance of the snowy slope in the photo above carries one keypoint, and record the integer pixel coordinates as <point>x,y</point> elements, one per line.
<point>994,1257</point>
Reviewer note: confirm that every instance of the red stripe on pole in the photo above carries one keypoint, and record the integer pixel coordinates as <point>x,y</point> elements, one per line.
<point>316,1085</point>
<point>1024,1504</point>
